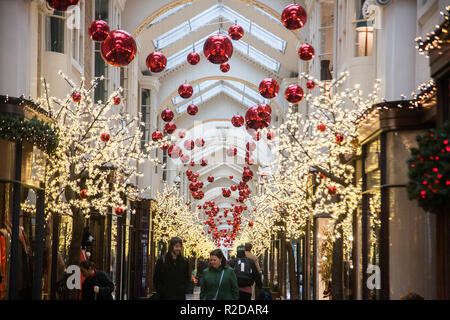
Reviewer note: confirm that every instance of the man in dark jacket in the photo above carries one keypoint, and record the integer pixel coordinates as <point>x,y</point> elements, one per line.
<point>97,284</point>
<point>201,266</point>
<point>246,273</point>
<point>172,274</point>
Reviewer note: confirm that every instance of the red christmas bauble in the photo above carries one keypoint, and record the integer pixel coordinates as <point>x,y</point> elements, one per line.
<point>98,30</point>
<point>185,158</point>
<point>174,151</point>
<point>188,172</point>
<point>116,100</point>
<point>189,144</point>
<point>204,162</point>
<point>62,5</point>
<point>231,177</point>
<point>192,109</point>
<point>193,58</point>
<point>256,135</point>
<point>226,192</point>
<point>170,127</point>
<point>321,127</point>
<point>156,61</point>
<point>339,138</point>
<point>119,211</point>
<point>231,152</point>
<point>218,49</point>
<point>237,120</point>
<point>119,48</point>
<point>251,146</point>
<point>270,135</point>
<point>185,90</point>
<point>210,179</point>
<point>157,135</point>
<point>250,224</point>
<point>167,115</point>
<point>225,67</point>
<point>165,146</point>
<point>250,161</point>
<point>76,96</point>
<point>253,120</point>
<point>236,32</point>
<point>264,111</point>
<point>181,134</point>
<point>105,137</point>
<point>306,52</point>
<point>310,84</point>
<point>294,93</point>
<point>199,142</point>
<point>269,88</point>
<point>293,17</point>
<point>192,163</point>
<point>83,194</point>
<point>332,190</point>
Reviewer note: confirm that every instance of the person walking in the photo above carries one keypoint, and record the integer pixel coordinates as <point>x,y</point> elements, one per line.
<point>201,266</point>
<point>172,276</point>
<point>219,280</point>
<point>97,284</point>
<point>246,272</point>
<point>250,255</point>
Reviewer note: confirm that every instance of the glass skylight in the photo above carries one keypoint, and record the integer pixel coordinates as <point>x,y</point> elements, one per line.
<point>266,14</point>
<point>197,88</point>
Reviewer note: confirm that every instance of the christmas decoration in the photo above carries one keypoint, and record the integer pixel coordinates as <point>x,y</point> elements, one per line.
<point>199,142</point>
<point>185,90</point>
<point>167,115</point>
<point>98,30</point>
<point>119,48</point>
<point>270,135</point>
<point>321,127</point>
<point>192,109</point>
<point>236,32</point>
<point>231,152</point>
<point>174,151</point>
<point>170,127</point>
<point>193,58</point>
<point>264,111</point>
<point>210,179</point>
<point>306,52</point>
<point>116,100</point>
<point>251,146</point>
<point>76,97</point>
<point>189,144</point>
<point>83,194</point>
<point>310,84</point>
<point>204,162</point>
<point>62,5</point>
<point>156,62</point>
<point>120,211</point>
<point>218,49</point>
<point>185,158</point>
<point>293,17</point>
<point>294,93</point>
<point>225,67</point>
<point>157,135</point>
<point>105,137</point>
<point>269,88</point>
<point>339,137</point>
<point>181,134</point>
<point>332,190</point>
<point>253,120</point>
<point>237,120</point>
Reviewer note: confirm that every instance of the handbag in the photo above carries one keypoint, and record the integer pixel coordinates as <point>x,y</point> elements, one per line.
<point>218,288</point>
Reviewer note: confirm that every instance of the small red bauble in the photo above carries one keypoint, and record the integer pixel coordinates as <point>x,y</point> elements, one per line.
<point>218,49</point>
<point>236,32</point>
<point>192,163</point>
<point>293,17</point>
<point>237,120</point>
<point>156,61</point>
<point>189,144</point>
<point>225,67</point>
<point>269,88</point>
<point>185,158</point>
<point>105,137</point>
<point>231,152</point>
<point>199,142</point>
<point>204,162</point>
<point>250,161</point>
<point>321,127</point>
<point>306,52</point>
<point>76,96</point>
<point>193,58</point>
<point>256,135</point>
<point>165,146</point>
<point>170,127</point>
<point>231,177</point>
<point>167,115</point>
<point>181,134</point>
<point>294,93</point>
<point>251,146</point>
<point>185,90</point>
<point>188,172</point>
<point>192,109</point>
<point>83,194</point>
<point>62,5</point>
<point>332,190</point>
<point>157,135</point>
<point>339,138</point>
<point>119,48</point>
<point>98,30</point>
<point>210,179</point>
<point>270,135</point>
<point>250,224</point>
<point>174,151</point>
<point>119,211</point>
<point>311,84</point>
<point>116,100</point>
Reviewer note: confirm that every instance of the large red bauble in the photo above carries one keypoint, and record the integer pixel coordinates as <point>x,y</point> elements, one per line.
<point>156,61</point>
<point>310,84</point>
<point>189,144</point>
<point>98,30</point>
<point>251,146</point>
<point>185,158</point>
<point>105,137</point>
<point>62,5</point>
<point>210,179</point>
<point>192,109</point>
<point>218,49</point>
<point>76,96</point>
<point>185,90</point>
<point>306,52</point>
<point>167,115</point>
<point>264,111</point>
<point>225,67</point>
<point>236,32</point>
<point>253,121</point>
<point>237,120</point>
<point>174,151</point>
<point>293,17</point>
<point>294,93</point>
<point>119,48</point>
<point>193,58</point>
<point>157,135</point>
<point>170,127</point>
<point>269,88</point>
<point>231,152</point>
<point>199,142</point>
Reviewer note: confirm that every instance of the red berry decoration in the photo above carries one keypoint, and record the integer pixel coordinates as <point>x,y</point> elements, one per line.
<point>174,151</point>
<point>236,32</point>
<point>170,127</point>
<point>119,211</point>
<point>269,88</point>
<point>167,115</point>
<point>189,144</point>
<point>119,48</point>
<point>225,67</point>
<point>193,58</point>
<point>192,109</point>
<point>218,49</point>
<point>321,127</point>
<point>156,61</point>
<point>76,96</point>
<point>237,120</point>
<point>199,142</point>
<point>210,179</point>
<point>83,194</point>
<point>332,190</point>
<point>185,90</point>
<point>339,138</point>
<point>116,100</point>
<point>62,5</point>
<point>105,137</point>
<point>294,93</point>
<point>310,84</point>
<point>185,158</point>
<point>306,52</point>
<point>293,17</point>
<point>98,30</point>
<point>157,135</point>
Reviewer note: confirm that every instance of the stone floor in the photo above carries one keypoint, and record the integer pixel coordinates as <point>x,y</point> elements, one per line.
<point>195,296</point>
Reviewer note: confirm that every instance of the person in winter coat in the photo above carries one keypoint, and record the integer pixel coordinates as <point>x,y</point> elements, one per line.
<point>219,280</point>
<point>97,284</point>
<point>246,273</point>
<point>201,266</point>
<point>172,276</point>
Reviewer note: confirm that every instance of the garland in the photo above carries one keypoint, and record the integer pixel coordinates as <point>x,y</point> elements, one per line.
<point>17,129</point>
<point>429,170</point>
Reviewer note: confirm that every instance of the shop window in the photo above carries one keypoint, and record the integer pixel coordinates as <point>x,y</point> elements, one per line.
<point>100,66</point>
<point>77,35</point>
<point>54,32</point>
<point>363,32</point>
<point>326,30</point>
<point>145,116</point>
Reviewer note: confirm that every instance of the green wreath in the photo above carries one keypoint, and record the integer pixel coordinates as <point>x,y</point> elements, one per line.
<point>429,170</point>
<point>16,128</point>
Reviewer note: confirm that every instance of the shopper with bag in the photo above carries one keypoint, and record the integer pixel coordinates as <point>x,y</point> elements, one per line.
<point>97,284</point>
<point>219,280</point>
<point>246,273</point>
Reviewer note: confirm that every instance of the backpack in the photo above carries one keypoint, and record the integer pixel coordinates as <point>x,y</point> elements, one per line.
<point>243,270</point>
